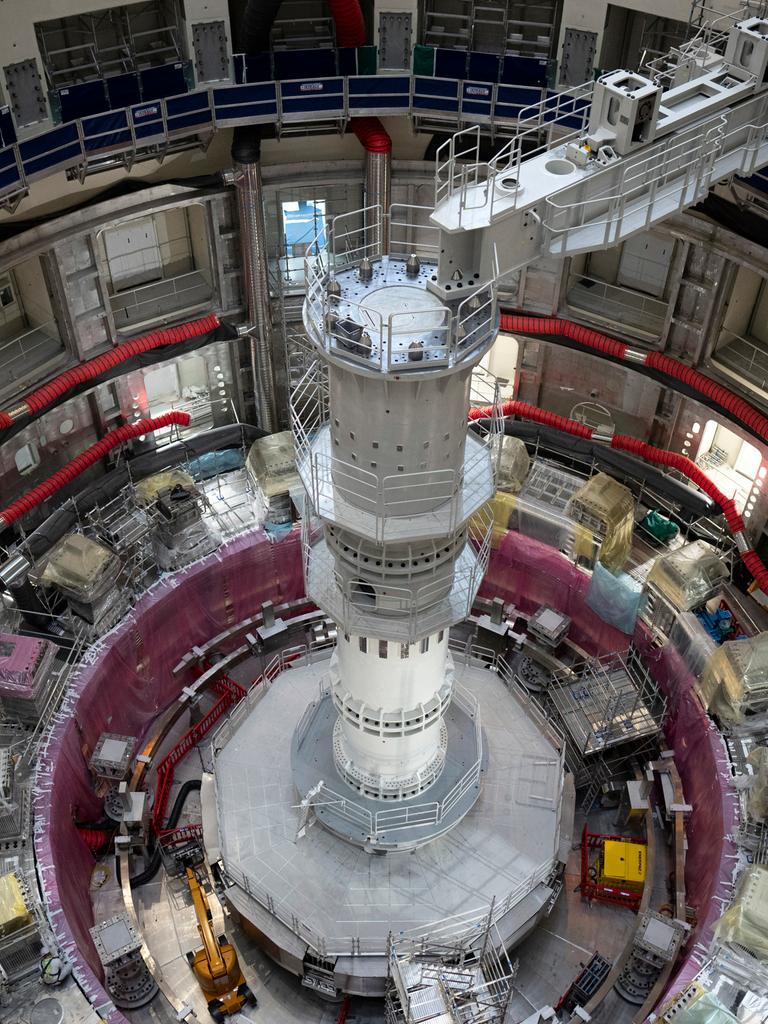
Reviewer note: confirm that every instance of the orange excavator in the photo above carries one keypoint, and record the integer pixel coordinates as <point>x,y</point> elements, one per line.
<point>216,965</point>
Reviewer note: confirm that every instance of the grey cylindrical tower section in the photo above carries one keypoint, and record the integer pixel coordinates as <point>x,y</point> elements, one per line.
<point>253,243</point>
<point>383,430</point>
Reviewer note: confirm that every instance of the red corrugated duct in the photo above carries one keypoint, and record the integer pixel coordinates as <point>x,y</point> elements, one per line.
<point>372,134</point>
<point>660,456</point>
<point>738,407</point>
<point>350,26</point>
<point>350,32</point>
<point>78,465</point>
<point>54,389</point>
<point>95,839</point>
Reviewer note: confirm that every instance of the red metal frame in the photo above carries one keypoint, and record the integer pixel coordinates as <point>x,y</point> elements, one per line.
<point>229,693</point>
<point>598,890</point>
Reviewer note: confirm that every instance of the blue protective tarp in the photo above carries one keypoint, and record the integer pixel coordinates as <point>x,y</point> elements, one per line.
<point>617,599</point>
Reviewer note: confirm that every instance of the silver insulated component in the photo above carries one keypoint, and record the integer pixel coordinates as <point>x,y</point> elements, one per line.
<point>365,270</point>
<point>413,265</point>
<point>334,288</point>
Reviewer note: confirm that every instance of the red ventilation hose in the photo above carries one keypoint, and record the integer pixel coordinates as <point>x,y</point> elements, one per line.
<point>350,32</point>
<point>348,18</point>
<point>48,393</point>
<point>660,456</point>
<point>95,839</point>
<point>739,408</point>
<point>372,134</point>
<point>87,458</point>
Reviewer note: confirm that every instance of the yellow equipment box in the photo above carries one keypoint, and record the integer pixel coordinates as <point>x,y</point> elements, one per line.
<point>624,863</point>
<point>13,908</point>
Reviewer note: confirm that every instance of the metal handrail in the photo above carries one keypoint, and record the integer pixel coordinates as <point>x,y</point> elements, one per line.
<point>462,927</point>
<point>25,350</point>
<point>464,331</point>
<point>690,155</point>
<point>743,368</point>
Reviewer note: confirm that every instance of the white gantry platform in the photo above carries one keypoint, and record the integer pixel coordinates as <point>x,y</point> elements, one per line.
<point>377,519</point>
<point>316,894</point>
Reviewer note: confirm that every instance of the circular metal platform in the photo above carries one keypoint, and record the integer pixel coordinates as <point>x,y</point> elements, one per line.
<point>304,890</point>
<point>381,825</point>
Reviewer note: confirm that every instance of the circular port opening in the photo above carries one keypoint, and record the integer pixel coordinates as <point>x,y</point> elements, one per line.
<point>559,167</point>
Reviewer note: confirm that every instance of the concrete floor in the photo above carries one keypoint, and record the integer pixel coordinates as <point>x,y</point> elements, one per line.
<point>548,960</point>
<point>338,890</point>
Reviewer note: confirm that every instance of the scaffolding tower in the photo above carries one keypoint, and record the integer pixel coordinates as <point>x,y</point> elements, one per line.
<point>434,983</point>
<point>607,702</point>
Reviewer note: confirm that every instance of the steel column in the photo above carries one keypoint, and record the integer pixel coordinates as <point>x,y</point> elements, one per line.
<point>378,193</point>
<point>253,242</point>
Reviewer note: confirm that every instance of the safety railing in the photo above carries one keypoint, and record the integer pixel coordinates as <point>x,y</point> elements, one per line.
<point>396,818</point>
<point>354,332</point>
<point>29,350</point>
<point>616,302</point>
<point>461,928</point>
<point>747,358</point>
<point>159,299</point>
<point>410,231</point>
<point>403,613</point>
<point>461,177</point>
<point>437,497</point>
<point>675,171</point>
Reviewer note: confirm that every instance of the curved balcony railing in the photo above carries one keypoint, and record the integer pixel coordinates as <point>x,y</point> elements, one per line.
<point>446,496</point>
<point>452,334</point>
<point>400,613</point>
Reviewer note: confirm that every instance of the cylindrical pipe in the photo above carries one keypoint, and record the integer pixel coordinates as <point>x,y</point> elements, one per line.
<point>378,197</point>
<point>737,407</point>
<point>348,19</point>
<point>46,395</point>
<point>81,462</point>
<point>253,243</point>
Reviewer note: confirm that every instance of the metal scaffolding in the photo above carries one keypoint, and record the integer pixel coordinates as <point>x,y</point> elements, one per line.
<point>607,702</point>
<point>447,983</point>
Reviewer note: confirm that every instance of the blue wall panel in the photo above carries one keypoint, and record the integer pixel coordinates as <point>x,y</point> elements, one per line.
<point>477,99</point>
<point>450,63</point>
<point>313,96</point>
<point>246,103</point>
<point>7,129</point>
<point>123,90</point>
<point>435,94</point>
<point>320,63</point>
<point>373,92</point>
<point>162,81</point>
<point>483,67</point>
<point>148,121</point>
<point>82,100</point>
<point>106,131</point>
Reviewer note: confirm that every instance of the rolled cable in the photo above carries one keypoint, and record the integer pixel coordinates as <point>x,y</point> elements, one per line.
<point>81,462</point>
<point>660,456</point>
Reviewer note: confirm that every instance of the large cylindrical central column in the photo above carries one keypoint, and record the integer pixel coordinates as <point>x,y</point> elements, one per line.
<point>396,478</point>
<point>390,740</point>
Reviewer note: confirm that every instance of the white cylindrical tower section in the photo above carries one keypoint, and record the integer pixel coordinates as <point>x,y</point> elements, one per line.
<point>390,739</point>
<point>384,430</point>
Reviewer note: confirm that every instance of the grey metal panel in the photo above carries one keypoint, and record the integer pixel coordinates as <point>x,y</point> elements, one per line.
<point>209,39</point>
<point>395,30</point>
<point>578,59</point>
